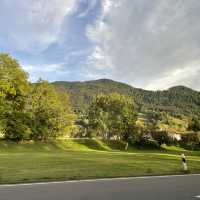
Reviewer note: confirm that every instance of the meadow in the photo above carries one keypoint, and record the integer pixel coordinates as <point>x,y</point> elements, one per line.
<point>73,159</point>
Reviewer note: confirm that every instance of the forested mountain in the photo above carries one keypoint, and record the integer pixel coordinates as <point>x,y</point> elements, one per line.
<point>177,101</point>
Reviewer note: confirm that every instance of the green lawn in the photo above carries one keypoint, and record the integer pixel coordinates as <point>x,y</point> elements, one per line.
<point>83,159</point>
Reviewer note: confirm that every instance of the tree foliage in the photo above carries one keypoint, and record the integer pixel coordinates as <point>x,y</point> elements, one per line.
<point>178,102</point>
<point>112,115</point>
<point>28,110</point>
<point>51,111</point>
<point>105,109</point>
<point>14,88</point>
<point>191,140</point>
<point>194,125</point>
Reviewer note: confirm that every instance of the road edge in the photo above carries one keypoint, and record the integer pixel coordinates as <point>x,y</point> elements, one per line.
<point>96,180</point>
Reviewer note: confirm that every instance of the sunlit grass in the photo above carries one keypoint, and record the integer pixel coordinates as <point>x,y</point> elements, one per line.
<point>83,159</point>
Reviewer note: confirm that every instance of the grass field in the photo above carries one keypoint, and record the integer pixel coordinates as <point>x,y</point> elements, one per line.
<point>83,159</point>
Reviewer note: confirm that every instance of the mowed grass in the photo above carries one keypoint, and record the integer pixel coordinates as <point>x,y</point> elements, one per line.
<point>85,159</point>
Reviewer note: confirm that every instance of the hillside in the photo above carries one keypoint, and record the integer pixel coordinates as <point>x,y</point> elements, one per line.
<point>177,100</point>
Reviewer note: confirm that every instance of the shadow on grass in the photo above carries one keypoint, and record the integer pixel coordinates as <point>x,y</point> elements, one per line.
<point>92,144</point>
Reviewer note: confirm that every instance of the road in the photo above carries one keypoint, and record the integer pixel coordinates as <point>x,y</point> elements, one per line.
<point>151,188</point>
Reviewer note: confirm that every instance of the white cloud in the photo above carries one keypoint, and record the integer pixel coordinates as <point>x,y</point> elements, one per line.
<point>148,42</point>
<point>46,71</point>
<point>152,44</point>
<point>101,61</point>
<point>31,26</point>
<point>179,76</point>
<point>106,5</point>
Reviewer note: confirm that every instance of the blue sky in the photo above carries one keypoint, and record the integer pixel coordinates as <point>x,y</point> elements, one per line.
<point>153,44</point>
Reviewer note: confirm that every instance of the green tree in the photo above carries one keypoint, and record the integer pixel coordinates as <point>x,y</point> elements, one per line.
<point>51,111</point>
<point>112,115</point>
<point>194,125</point>
<point>13,81</point>
<point>14,88</point>
<point>191,140</point>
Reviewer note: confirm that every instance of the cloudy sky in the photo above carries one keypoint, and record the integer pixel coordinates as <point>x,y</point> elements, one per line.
<point>153,44</point>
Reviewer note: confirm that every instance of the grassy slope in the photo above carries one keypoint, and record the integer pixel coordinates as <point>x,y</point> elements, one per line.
<point>81,159</point>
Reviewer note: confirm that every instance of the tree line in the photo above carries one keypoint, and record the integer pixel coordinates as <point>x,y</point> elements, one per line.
<point>114,116</point>
<point>30,111</point>
<point>179,102</point>
<point>41,111</point>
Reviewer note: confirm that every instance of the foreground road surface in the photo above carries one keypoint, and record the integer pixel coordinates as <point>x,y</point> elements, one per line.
<point>150,188</point>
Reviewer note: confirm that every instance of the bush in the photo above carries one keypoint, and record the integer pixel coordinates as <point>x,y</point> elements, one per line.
<point>191,141</point>
<point>18,126</point>
<point>163,137</point>
<point>145,141</point>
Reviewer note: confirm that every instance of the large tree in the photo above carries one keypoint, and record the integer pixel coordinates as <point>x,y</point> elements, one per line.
<point>112,115</point>
<point>27,110</point>
<point>14,88</point>
<point>13,81</point>
<point>51,111</point>
<point>194,125</point>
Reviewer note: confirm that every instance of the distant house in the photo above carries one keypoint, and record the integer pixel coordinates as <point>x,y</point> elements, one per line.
<point>175,136</point>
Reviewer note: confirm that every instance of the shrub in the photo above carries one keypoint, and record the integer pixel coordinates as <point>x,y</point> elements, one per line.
<point>146,141</point>
<point>163,137</point>
<point>191,141</point>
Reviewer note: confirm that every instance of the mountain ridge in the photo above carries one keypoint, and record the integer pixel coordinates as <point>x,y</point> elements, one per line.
<point>177,100</point>
<point>111,80</point>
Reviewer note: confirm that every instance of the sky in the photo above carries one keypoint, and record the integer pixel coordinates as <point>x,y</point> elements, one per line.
<point>150,44</point>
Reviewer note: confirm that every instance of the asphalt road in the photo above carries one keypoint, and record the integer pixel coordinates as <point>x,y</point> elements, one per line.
<point>151,188</point>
